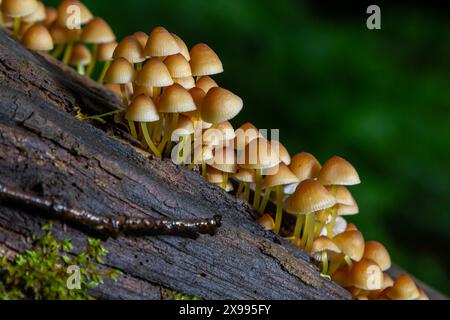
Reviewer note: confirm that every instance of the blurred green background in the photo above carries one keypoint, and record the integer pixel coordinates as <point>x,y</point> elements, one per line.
<point>380,99</point>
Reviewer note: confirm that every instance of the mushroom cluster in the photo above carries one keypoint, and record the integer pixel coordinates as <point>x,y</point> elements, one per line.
<point>175,109</point>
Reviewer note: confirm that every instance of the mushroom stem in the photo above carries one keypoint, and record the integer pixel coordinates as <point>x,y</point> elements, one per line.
<point>240,189</point>
<point>225,180</point>
<point>67,53</point>
<point>157,130</point>
<point>123,93</point>
<point>16,27</point>
<point>348,261</point>
<point>298,227</point>
<point>173,126</point>
<point>139,66</point>
<point>247,191</point>
<point>335,263</point>
<point>324,262</point>
<point>265,200</point>
<point>148,140</point>
<point>106,66</point>
<point>257,197</point>
<point>81,69</point>
<point>58,51</point>
<point>167,125</point>
<point>203,168</point>
<point>93,62</point>
<point>133,129</point>
<point>279,214</point>
<point>310,231</point>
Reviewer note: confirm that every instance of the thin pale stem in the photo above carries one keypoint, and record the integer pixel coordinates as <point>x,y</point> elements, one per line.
<point>310,231</point>
<point>225,180</point>
<point>298,227</point>
<point>81,69</point>
<point>257,197</point>
<point>240,189</point>
<point>203,168</point>
<point>279,215</point>
<point>123,93</point>
<point>58,51</point>
<point>247,191</point>
<point>148,140</point>
<point>324,262</point>
<point>93,62</point>
<point>67,53</point>
<point>106,66</point>
<point>133,129</point>
<point>16,27</point>
<point>173,126</point>
<point>265,200</point>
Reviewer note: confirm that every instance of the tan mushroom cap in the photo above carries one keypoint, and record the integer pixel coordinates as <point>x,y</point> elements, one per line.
<point>182,46</point>
<point>161,43</point>
<point>266,221</point>
<point>351,227</point>
<point>142,37</point>
<point>178,66</point>
<point>187,82</point>
<point>342,278</point>
<point>206,83</point>
<point>285,157</point>
<point>176,99</point>
<point>305,166</point>
<point>245,175</point>
<point>80,56</point>
<point>142,109</point>
<point>60,35</point>
<point>64,14</point>
<point>322,244</point>
<point>106,51</point>
<point>37,38</point>
<point>246,134</point>
<point>51,15</point>
<point>376,252</point>
<point>214,176</point>
<point>227,130</point>
<point>282,178</point>
<point>18,9</point>
<point>120,72</point>
<point>130,49</point>
<point>259,154</point>
<point>204,61</point>
<point>198,95</point>
<point>228,188</point>
<point>154,74</point>
<point>367,275</point>
<point>184,128</point>
<point>342,195</point>
<point>404,289</point>
<point>97,31</point>
<point>38,15</point>
<point>310,196</point>
<point>138,90</point>
<point>351,244</point>
<point>338,171</point>
<point>224,160</point>
<point>343,210</point>
<point>220,105</point>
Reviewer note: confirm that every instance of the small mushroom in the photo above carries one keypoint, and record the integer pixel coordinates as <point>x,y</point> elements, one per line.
<point>323,250</point>
<point>376,252</point>
<point>266,221</point>
<point>161,44</point>
<point>225,161</point>
<point>121,72</point>
<point>404,288</point>
<point>37,38</point>
<point>367,275</point>
<point>206,83</point>
<point>51,15</point>
<point>204,61</point>
<point>182,135</point>
<point>154,75</point>
<point>182,46</point>
<point>352,246</point>
<point>245,177</point>
<point>17,10</point>
<point>81,57</point>
<point>130,48</point>
<point>105,55</point>
<point>220,105</point>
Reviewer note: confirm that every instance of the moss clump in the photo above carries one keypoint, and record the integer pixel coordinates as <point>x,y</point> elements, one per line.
<point>41,273</point>
<point>173,295</point>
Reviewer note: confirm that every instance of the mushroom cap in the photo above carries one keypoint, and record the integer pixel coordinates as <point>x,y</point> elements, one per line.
<point>130,49</point>
<point>343,210</point>
<point>246,134</point>
<point>245,175</point>
<point>342,195</point>
<point>204,61</point>
<point>224,160</point>
<point>187,82</point>
<point>283,152</point>
<point>178,66</point>
<point>198,95</point>
<point>206,83</point>
<point>154,74</point>
<point>142,37</point>
<point>266,221</point>
<point>220,105</point>
<point>176,99</point>
<point>80,56</point>
<point>324,244</point>
<point>142,109</point>
<point>305,166</point>
<point>120,72</point>
<point>342,278</point>
<point>351,244</point>
<point>51,15</point>
<point>259,154</point>
<point>310,196</point>
<point>60,35</point>
<point>37,38</point>
<point>18,9</point>
<point>227,130</point>
<point>138,90</point>
<point>214,176</point>
<point>404,289</point>
<point>338,171</point>
<point>97,31</point>
<point>182,46</point>
<point>38,15</point>
<point>351,227</point>
<point>184,128</point>
<point>229,187</point>
<point>339,226</point>
<point>376,252</point>
<point>367,275</point>
<point>64,14</point>
<point>283,177</point>
<point>161,43</point>
<point>105,51</point>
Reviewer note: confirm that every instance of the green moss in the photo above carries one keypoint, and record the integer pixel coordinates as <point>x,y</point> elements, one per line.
<point>41,273</point>
<point>173,295</point>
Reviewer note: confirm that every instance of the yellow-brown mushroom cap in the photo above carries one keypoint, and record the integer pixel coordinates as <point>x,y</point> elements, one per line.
<point>142,109</point>
<point>60,35</point>
<point>198,95</point>
<point>38,15</point>
<point>310,196</point>
<point>322,244</point>
<point>266,221</point>
<point>224,160</point>
<point>176,99</point>
<point>220,105</point>
<point>18,9</point>
<point>130,49</point>
<point>37,38</point>
<point>342,195</point>
<point>283,152</point>
<point>65,13</point>
<point>246,134</point>
<point>338,171</point>
<point>187,82</point>
<point>120,72</point>
<point>227,130</point>
<point>376,252</point>
<point>305,166</point>
<point>214,176</point>
<point>245,175</point>
<point>351,244</point>
<point>204,61</point>
<point>106,51</point>
<point>178,66</point>
<point>97,31</point>
<point>259,154</point>
<point>184,128</point>
<point>161,43</point>
<point>154,74</point>
<point>142,37</point>
<point>206,83</point>
<point>283,177</point>
<point>367,275</point>
<point>182,46</point>
<point>51,15</point>
<point>343,210</point>
<point>351,227</point>
<point>404,289</point>
<point>80,56</point>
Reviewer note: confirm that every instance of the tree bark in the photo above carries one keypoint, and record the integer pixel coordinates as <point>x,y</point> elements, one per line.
<point>46,151</point>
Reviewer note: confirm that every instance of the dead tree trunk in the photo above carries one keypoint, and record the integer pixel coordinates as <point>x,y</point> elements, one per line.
<point>45,150</point>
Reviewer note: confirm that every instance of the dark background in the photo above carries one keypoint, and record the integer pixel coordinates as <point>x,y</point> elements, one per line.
<point>380,99</point>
